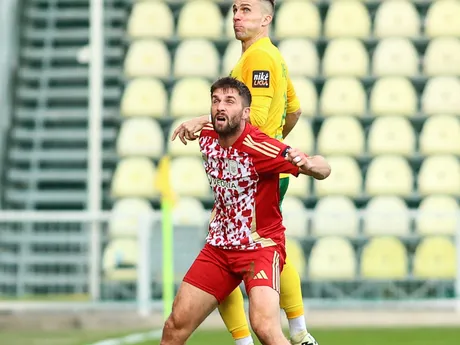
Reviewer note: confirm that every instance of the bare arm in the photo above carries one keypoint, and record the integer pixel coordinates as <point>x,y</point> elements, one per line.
<point>290,122</point>
<point>314,166</point>
<point>187,130</point>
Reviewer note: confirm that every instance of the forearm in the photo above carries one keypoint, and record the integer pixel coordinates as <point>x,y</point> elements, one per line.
<point>316,167</point>
<point>290,122</point>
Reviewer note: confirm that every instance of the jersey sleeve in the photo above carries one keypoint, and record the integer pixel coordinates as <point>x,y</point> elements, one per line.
<point>293,101</point>
<point>269,154</point>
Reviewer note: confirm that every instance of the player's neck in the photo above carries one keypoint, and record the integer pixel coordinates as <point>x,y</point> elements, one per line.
<point>228,140</point>
<point>252,40</point>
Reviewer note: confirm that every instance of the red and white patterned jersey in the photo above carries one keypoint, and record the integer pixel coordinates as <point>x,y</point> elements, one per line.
<point>245,182</point>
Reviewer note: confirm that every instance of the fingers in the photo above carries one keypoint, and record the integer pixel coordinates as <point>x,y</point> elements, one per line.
<point>296,157</point>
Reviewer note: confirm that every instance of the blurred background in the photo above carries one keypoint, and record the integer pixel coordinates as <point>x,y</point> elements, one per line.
<point>90,94</point>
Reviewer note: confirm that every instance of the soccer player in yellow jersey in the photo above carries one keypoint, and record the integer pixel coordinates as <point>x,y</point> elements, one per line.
<point>275,110</point>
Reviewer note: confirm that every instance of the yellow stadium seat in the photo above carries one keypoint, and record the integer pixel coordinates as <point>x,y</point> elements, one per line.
<point>190,97</point>
<point>231,56</point>
<point>391,135</point>
<point>299,186</point>
<point>196,58</point>
<point>188,177</point>
<point>120,260</point>
<point>151,19</point>
<point>296,256</point>
<point>297,19</point>
<point>295,217</point>
<point>395,57</point>
<point>341,135</point>
<point>301,136</point>
<point>228,24</point>
<point>345,57</point>
<point>144,97</point>
<point>439,175</point>
<point>387,215</point>
<point>147,58</point>
<point>435,258</point>
<point>440,134</point>
<point>389,175</point>
<point>177,148</point>
<point>140,136</point>
<point>438,215</point>
<point>347,19</point>
<point>332,258</point>
<point>134,177</point>
<point>200,19</point>
<point>306,93</point>
<point>335,215</point>
<point>346,179</point>
<point>442,19</point>
<point>442,57</point>
<point>393,95</point>
<point>189,211</point>
<point>343,96</point>
<point>384,258</point>
<point>440,96</point>
<point>300,56</point>
<point>396,19</point>
<point>128,215</point>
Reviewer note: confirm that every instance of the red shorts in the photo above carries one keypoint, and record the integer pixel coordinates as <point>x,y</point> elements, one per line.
<point>219,272</point>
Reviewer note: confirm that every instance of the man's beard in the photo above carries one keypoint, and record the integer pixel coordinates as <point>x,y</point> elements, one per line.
<point>228,129</point>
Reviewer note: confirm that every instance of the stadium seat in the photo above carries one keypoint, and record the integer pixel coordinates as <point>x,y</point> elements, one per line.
<point>119,261</point>
<point>393,95</point>
<point>177,148</point>
<point>151,19</point>
<point>435,258</point>
<point>126,217</point>
<point>442,19</point>
<point>347,19</point>
<point>134,177</point>
<point>140,136</point>
<point>440,96</point>
<point>196,58</point>
<point>396,19</point>
<point>343,96</point>
<point>147,58</point>
<point>231,56</point>
<point>299,186</point>
<point>384,258</point>
<point>335,215</point>
<point>144,97</point>
<point>341,135</point>
<point>297,257</point>
<point>189,211</point>
<point>395,57</point>
<point>200,19</point>
<point>228,24</point>
<point>307,95</point>
<point>300,56</point>
<point>391,135</point>
<point>346,179</point>
<point>442,57</point>
<point>190,97</point>
<point>188,177</point>
<point>389,175</point>
<point>332,258</point>
<point>438,215</point>
<point>345,57</point>
<point>439,175</point>
<point>386,215</point>
<point>295,217</point>
<point>440,134</point>
<point>301,136</point>
<point>297,19</point>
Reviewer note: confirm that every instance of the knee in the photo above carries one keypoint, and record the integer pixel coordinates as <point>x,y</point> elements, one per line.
<point>174,323</point>
<point>262,328</point>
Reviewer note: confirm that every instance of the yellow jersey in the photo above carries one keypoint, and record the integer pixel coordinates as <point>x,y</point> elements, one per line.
<point>263,70</point>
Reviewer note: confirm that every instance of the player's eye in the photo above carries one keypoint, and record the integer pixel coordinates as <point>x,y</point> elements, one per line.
<point>245,9</point>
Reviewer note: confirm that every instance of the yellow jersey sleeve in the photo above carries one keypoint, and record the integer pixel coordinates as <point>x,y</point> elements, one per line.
<point>293,101</point>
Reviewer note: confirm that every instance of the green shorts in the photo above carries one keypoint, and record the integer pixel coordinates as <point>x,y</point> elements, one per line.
<point>284,184</point>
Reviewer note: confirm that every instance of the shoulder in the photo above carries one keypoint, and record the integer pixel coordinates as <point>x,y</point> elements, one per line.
<point>207,132</point>
<point>258,143</point>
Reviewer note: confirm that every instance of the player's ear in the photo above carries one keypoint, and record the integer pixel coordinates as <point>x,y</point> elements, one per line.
<point>246,113</point>
<point>267,20</point>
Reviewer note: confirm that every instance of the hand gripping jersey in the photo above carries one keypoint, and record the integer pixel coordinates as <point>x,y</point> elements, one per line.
<point>245,182</point>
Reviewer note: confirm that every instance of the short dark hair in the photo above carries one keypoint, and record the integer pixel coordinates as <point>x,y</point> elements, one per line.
<point>232,83</point>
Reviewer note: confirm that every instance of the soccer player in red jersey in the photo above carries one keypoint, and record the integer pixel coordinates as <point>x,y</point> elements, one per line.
<point>246,239</point>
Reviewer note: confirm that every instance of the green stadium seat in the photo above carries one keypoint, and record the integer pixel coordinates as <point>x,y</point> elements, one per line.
<point>231,56</point>
<point>395,57</point>
<point>150,19</point>
<point>147,58</point>
<point>387,215</point>
<point>196,58</point>
<point>228,25</point>
<point>296,257</point>
<point>435,258</point>
<point>347,19</point>
<point>341,135</point>
<point>440,135</point>
<point>297,19</point>
<point>440,96</point>
<point>188,178</point>
<point>295,218</point>
<point>126,217</point>
<point>335,216</point>
<point>394,96</point>
<point>301,136</point>
<point>301,57</point>
<point>397,19</point>
<point>190,97</point>
<point>200,19</point>
<point>439,174</point>
<point>188,211</point>
<point>144,97</point>
<point>299,186</point>
<point>307,95</point>
<point>345,57</point>
<point>442,19</point>
<point>343,96</point>
<point>437,216</point>
<point>442,57</point>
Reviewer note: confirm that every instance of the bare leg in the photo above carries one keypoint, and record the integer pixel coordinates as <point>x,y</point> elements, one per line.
<point>264,315</point>
<point>190,308</point>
